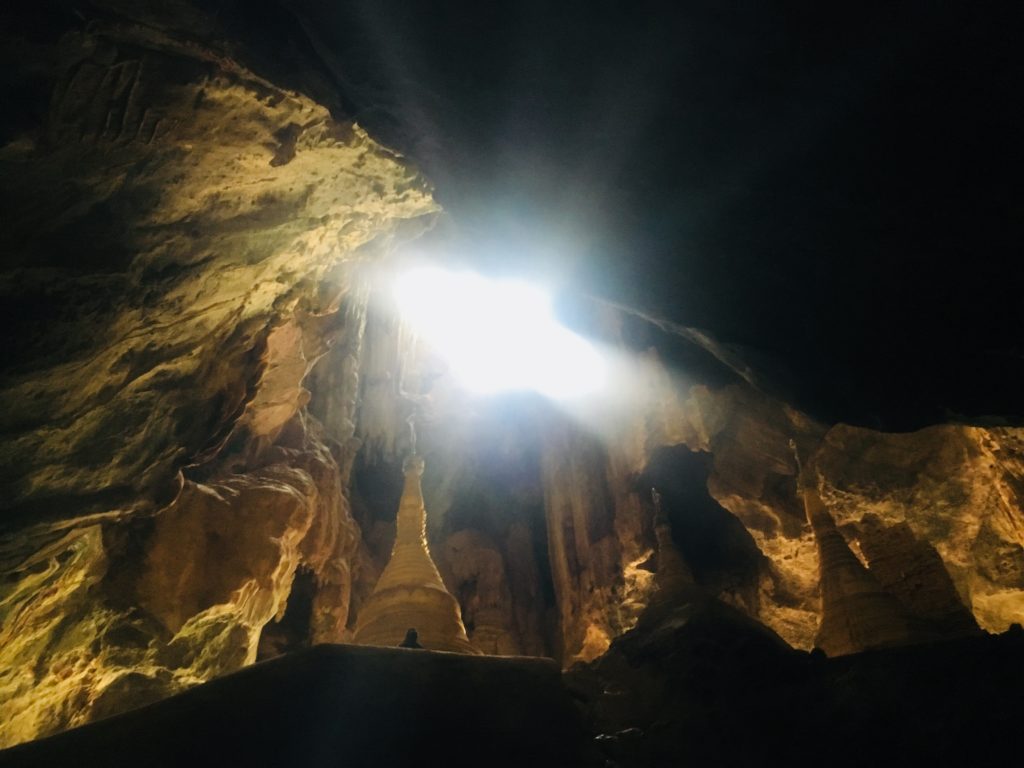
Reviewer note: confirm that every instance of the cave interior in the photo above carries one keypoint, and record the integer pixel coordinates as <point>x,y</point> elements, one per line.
<point>659,363</point>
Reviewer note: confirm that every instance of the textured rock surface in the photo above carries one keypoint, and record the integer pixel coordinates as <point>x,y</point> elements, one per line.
<point>179,242</point>
<point>914,511</point>
<point>595,543</point>
<point>112,615</point>
<point>918,509</point>
<point>477,565</point>
<point>934,516</point>
<point>951,489</point>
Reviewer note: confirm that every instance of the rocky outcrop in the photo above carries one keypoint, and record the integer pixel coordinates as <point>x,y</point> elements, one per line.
<point>111,615</point>
<point>596,542</point>
<point>167,155</point>
<point>951,492</point>
<point>932,519</point>
<point>918,510</point>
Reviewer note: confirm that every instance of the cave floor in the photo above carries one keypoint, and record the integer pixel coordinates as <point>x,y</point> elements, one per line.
<point>340,705</point>
<point>697,683</point>
<point>692,685</point>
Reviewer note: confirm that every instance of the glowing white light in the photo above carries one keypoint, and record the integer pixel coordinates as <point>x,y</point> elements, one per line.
<point>498,335</point>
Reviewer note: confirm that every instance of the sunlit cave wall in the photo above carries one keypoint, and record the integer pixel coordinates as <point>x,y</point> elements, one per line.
<point>180,245</point>
<point>561,505</point>
<point>482,484</point>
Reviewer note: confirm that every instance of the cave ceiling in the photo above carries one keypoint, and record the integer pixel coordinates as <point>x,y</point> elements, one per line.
<point>831,192</point>
<point>830,188</point>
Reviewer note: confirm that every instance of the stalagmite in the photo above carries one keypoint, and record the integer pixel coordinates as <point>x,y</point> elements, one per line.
<point>410,593</point>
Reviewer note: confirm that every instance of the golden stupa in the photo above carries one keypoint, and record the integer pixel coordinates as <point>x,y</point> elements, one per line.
<point>410,593</point>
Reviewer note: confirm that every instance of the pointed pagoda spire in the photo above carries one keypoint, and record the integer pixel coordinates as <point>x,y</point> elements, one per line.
<point>856,612</point>
<point>673,573</point>
<point>410,593</point>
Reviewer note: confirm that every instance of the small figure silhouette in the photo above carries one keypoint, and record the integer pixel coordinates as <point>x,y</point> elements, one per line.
<point>411,640</point>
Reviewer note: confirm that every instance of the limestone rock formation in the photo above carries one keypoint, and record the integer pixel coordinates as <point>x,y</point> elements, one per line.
<point>113,614</point>
<point>473,559</point>
<point>933,518</point>
<point>956,489</point>
<point>180,243</point>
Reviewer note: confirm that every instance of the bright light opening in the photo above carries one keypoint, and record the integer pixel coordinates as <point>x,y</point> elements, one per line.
<point>498,335</point>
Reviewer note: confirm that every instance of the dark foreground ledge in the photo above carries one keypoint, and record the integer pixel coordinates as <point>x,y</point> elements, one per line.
<point>338,705</point>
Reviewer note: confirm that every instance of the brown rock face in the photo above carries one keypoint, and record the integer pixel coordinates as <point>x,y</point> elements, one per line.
<point>952,489</point>
<point>915,512</point>
<point>179,242</point>
<point>140,608</point>
<point>477,566</point>
<point>595,543</point>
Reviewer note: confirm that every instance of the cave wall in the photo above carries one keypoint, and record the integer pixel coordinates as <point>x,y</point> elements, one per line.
<point>182,243</point>
<point>933,515</point>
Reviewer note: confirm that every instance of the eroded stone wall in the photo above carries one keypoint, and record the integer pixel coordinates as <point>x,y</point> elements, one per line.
<point>181,245</point>
<point>925,511</point>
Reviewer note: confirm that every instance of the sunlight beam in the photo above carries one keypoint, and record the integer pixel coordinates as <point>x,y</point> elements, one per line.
<point>498,335</point>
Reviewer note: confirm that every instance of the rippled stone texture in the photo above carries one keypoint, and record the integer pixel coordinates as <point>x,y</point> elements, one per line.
<point>179,249</point>
<point>934,516</point>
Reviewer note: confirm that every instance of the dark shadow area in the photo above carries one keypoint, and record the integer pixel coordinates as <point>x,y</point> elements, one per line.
<point>698,683</point>
<point>713,542</point>
<point>832,185</point>
<point>377,489</point>
<point>291,633</point>
<point>341,706</point>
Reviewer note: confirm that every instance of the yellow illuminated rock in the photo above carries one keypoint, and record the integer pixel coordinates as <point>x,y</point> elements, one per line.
<point>410,593</point>
<point>857,614</point>
<point>162,484</point>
